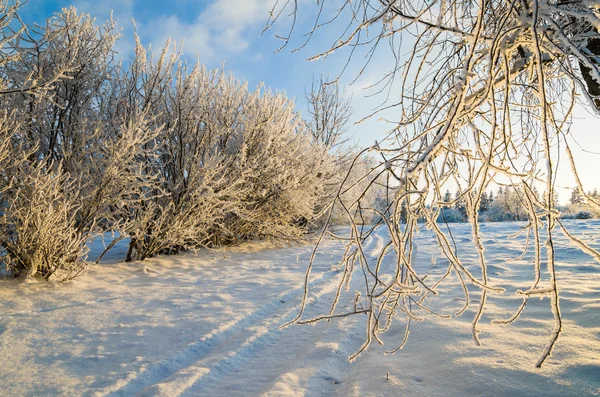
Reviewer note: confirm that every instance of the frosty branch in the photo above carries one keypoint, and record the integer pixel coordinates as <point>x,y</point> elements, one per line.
<point>484,95</point>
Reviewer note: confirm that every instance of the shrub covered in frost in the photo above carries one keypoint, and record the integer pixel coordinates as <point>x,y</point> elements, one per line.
<point>170,156</point>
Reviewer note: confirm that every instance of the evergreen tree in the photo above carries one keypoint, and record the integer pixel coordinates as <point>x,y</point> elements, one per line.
<point>403,212</point>
<point>460,205</point>
<point>576,197</point>
<point>485,202</point>
<point>447,196</point>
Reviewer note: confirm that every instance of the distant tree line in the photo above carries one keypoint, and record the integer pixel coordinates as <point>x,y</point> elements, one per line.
<point>579,206</point>
<point>508,205</point>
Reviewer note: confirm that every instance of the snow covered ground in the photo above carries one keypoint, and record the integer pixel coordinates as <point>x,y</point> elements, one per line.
<point>208,324</point>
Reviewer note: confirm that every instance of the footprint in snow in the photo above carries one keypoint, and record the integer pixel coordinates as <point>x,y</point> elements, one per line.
<point>332,380</point>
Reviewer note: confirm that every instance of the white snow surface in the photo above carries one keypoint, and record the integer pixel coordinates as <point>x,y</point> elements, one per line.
<point>208,324</point>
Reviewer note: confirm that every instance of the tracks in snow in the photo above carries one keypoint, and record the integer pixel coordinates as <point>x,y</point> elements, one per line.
<point>52,309</point>
<point>220,351</point>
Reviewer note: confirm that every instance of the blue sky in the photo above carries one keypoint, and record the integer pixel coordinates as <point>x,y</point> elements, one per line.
<point>229,31</point>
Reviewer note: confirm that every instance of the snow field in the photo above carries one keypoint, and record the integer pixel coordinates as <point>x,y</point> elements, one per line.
<point>209,324</point>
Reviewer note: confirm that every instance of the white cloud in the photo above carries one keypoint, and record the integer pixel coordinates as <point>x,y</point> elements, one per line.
<point>222,28</point>
<point>195,37</point>
<point>257,57</point>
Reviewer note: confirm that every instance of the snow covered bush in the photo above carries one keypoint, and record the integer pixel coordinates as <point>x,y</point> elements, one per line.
<point>450,215</point>
<point>580,207</point>
<point>39,225</point>
<point>38,204</point>
<point>48,215</point>
<point>230,163</point>
<point>509,205</point>
<point>79,159</point>
<point>287,171</point>
<point>169,156</point>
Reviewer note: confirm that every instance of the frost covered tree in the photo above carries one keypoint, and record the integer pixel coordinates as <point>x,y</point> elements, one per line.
<point>484,94</point>
<point>328,120</point>
<point>485,202</point>
<point>509,205</point>
<point>578,208</point>
<point>575,198</point>
<point>232,164</point>
<point>447,196</point>
<point>329,113</point>
<point>79,162</point>
<point>169,156</point>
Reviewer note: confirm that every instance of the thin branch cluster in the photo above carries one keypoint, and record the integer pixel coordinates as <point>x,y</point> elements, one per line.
<point>483,93</point>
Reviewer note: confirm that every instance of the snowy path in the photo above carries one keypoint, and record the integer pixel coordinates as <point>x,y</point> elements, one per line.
<point>209,325</point>
<point>217,354</point>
